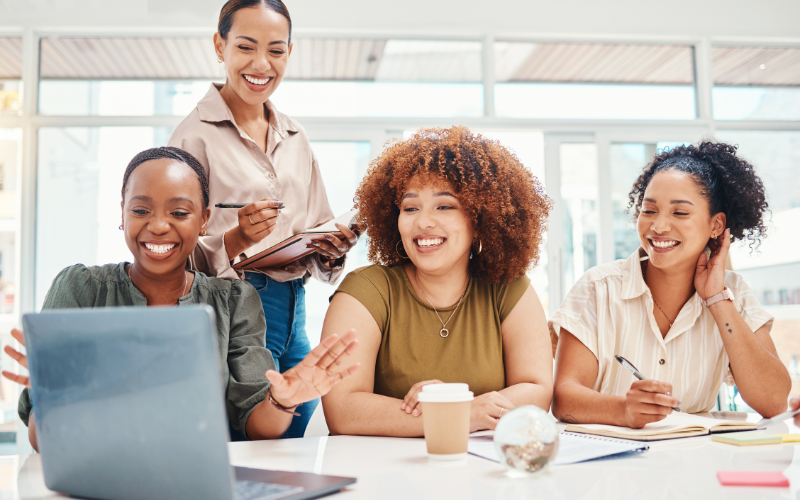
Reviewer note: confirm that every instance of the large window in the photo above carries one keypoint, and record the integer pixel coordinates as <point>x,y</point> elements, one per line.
<point>593,80</point>
<point>756,83</point>
<point>10,74</point>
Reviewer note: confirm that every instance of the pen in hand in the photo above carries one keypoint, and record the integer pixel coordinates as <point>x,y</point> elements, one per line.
<point>242,205</point>
<point>636,373</point>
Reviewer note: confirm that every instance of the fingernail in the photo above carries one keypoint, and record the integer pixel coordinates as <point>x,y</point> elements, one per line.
<point>328,237</point>
<point>403,406</point>
<point>416,413</point>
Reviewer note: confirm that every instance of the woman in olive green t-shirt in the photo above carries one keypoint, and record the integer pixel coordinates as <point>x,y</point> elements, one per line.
<point>454,221</point>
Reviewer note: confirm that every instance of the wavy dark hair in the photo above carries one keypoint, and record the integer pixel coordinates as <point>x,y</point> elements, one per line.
<point>727,181</point>
<point>232,6</point>
<point>171,153</point>
<point>502,198</point>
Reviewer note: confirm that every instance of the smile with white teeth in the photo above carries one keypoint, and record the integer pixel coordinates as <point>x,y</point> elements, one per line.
<point>430,242</point>
<point>257,81</point>
<point>160,248</point>
<point>664,244</point>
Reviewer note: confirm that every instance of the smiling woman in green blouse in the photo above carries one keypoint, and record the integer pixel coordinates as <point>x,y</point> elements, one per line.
<point>164,211</point>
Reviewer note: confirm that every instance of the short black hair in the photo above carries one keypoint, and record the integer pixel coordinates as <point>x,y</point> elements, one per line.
<point>232,6</point>
<point>172,154</point>
<point>727,181</point>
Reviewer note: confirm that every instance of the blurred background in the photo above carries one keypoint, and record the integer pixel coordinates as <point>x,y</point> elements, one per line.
<point>584,91</point>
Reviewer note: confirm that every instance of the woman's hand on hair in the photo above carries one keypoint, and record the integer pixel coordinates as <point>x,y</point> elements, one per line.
<point>411,401</point>
<point>19,358</point>
<point>333,247</point>
<point>314,376</point>
<point>709,276</point>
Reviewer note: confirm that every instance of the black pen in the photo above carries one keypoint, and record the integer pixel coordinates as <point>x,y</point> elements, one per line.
<point>242,205</point>
<point>636,373</point>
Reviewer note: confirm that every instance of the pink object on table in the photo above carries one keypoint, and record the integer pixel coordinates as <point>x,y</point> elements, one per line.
<point>738,478</point>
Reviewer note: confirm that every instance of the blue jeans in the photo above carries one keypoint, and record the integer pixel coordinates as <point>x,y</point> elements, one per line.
<point>285,310</point>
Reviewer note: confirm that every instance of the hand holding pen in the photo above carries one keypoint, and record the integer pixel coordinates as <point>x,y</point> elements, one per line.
<point>647,400</point>
<point>256,221</point>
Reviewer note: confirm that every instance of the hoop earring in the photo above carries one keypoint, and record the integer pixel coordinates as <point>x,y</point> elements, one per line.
<point>397,249</point>
<point>219,59</point>
<point>480,248</point>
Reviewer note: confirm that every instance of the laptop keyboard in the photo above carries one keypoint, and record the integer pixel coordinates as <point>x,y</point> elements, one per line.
<point>254,490</point>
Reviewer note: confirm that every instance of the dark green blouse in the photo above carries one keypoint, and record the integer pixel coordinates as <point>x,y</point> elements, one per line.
<point>240,326</point>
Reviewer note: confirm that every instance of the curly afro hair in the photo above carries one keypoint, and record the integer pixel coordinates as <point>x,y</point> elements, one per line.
<point>505,202</point>
<point>727,181</point>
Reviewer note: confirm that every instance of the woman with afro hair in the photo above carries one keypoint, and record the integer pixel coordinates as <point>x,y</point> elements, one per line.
<point>671,309</point>
<point>454,221</point>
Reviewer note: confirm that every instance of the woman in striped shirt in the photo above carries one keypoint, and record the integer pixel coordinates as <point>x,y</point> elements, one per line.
<point>671,309</point>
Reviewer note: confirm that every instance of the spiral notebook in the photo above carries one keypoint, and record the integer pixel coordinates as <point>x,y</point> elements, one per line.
<point>572,448</point>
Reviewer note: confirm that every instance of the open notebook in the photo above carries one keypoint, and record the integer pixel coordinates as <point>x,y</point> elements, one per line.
<point>294,247</point>
<point>676,425</point>
<point>572,448</point>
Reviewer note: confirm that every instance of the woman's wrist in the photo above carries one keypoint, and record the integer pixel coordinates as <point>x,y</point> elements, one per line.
<point>234,245</point>
<point>286,408</point>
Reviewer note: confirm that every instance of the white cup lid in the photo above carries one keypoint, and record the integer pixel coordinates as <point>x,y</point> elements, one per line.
<point>445,393</point>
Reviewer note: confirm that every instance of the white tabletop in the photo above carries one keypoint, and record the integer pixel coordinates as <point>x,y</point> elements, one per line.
<point>390,468</point>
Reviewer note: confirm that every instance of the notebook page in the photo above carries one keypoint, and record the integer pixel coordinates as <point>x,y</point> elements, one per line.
<point>675,423</point>
<point>330,227</point>
<point>572,448</point>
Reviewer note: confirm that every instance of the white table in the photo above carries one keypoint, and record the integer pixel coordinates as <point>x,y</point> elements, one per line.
<point>394,468</point>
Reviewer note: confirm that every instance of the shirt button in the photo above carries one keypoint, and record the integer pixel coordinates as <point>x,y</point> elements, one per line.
<point>271,175</point>
<point>661,361</point>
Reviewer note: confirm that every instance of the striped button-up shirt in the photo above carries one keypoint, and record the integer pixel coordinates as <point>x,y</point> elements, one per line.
<point>610,310</point>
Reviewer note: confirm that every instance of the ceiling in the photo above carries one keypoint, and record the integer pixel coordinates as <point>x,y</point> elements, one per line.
<point>382,60</point>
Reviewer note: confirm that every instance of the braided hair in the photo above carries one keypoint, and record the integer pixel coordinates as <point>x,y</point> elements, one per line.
<point>172,154</point>
<point>728,182</point>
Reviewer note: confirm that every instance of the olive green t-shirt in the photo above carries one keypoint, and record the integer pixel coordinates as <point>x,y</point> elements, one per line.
<point>411,348</point>
<point>240,326</point>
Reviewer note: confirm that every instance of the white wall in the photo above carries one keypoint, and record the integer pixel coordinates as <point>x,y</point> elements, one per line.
<point>721,18</point>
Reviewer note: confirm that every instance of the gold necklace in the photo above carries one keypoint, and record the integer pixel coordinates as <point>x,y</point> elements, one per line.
<point>444,332</point>
<point>656,303</point>
<point>185,282</point>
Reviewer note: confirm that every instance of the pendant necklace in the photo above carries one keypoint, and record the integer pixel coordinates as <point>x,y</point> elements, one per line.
<point>671,322</point>
<point>444,332</point>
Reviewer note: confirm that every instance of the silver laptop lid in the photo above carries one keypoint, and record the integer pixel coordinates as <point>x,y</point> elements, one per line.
<point>129,403</point>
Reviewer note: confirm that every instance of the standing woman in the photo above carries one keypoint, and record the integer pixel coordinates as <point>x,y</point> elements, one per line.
<point>254,154</point>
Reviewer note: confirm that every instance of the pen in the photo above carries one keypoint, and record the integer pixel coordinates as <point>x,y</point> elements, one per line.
<point>242,205</point>
<point>636,373</point>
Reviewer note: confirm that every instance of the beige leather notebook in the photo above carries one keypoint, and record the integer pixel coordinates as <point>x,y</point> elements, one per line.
<point>676,425</point>
<point>294,247</point>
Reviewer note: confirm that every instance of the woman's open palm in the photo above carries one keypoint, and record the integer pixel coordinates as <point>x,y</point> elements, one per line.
<point>320,370</point>
<point>19,358</point>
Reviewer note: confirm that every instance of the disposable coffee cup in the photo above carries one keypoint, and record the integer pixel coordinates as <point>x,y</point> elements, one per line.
<point>445,420</point>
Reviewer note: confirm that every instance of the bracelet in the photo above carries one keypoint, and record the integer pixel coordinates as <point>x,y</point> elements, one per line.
<point>279,406</point>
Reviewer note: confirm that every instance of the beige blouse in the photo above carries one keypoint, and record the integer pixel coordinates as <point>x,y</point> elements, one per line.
<point>240,172</point>
<point>610,310</point>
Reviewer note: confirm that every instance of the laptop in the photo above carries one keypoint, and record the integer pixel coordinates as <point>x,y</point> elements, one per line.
<point>129,405</point>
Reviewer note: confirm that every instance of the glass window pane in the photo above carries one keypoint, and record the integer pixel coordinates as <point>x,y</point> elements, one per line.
<point>529,148</point>
<point>772,271</point>
<point>79,179</point>
<point>579,202</point>
<point>756,83</point>
<point>343,165</point>
<point>10,75</point>
<point>583,80</point>
<point>120,97</point>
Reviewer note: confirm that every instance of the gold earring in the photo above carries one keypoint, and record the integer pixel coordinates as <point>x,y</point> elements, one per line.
<point>219,59</point>
<point>397,249</point>
<point>480,246</point>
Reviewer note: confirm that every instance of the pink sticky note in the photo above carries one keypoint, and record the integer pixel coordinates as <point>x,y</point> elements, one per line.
<point>738,478</point>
